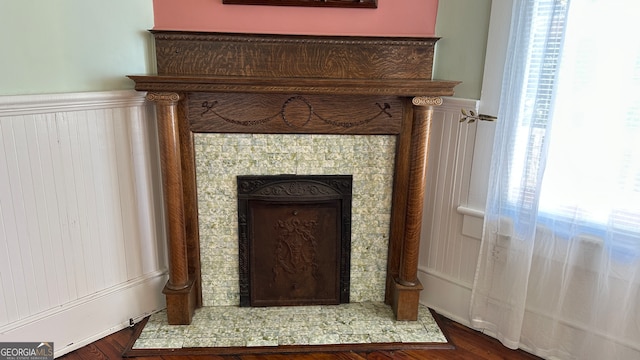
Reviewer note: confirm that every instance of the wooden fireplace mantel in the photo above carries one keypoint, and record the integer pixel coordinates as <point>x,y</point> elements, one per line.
<point>248,72</point>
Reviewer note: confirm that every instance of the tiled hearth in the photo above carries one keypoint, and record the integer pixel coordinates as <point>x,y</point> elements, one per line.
<point>232,326</point>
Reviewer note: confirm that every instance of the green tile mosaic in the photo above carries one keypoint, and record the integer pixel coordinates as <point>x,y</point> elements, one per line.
<point>221,157</point>
<point>231,326</point>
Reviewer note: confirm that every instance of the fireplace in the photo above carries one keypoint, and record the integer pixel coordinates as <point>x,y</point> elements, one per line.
<point>210,83</point>
<point>294,239</point>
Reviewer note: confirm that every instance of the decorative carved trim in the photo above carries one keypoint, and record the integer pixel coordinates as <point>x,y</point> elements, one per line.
<point>290,39</point>
<point>295,189</point>
<point>163,97</point>
<point>320,186</point>
<point>209,108</point>
<point>427,101</point>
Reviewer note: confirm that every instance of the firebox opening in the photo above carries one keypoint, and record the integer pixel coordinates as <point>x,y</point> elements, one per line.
<point>294,239</point>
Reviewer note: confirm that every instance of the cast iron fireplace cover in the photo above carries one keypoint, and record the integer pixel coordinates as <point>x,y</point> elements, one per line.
<point>294,239</point>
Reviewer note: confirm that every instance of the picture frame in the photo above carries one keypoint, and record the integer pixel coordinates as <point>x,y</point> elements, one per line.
<point>366,4</point>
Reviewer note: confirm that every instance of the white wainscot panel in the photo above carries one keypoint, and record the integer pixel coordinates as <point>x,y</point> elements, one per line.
<point>448,256</point>
<point>79,216</point>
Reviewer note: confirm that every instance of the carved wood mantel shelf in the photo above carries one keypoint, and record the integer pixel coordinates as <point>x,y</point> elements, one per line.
<point>247,74</point>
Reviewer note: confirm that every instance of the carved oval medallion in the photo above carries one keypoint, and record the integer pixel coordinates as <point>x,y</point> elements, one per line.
<point>296,112</point>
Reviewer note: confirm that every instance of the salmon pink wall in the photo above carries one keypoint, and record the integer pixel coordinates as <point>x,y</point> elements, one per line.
<point>391,18</point>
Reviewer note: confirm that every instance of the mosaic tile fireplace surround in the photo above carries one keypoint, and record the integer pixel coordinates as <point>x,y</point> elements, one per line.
<point>238,104</point>
<point>221,157</point>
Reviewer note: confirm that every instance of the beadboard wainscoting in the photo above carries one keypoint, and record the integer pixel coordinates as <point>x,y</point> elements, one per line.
<point>82,243</point>
<point>448,252</point>
<point>453,226</point>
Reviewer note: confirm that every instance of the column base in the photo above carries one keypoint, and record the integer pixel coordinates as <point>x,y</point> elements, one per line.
<point>406,300</point>
<point>180,304</point>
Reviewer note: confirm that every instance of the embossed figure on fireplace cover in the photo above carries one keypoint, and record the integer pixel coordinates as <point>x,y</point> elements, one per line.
<point>295,238</point>
<point>296,250</point>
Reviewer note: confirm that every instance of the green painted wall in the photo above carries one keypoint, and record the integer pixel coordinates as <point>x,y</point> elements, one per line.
<point>55,46</point>
<point>462,26</point>
<point>60,46</point>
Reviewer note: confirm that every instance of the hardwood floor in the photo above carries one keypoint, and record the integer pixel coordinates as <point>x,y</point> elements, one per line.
<point>469,345</point>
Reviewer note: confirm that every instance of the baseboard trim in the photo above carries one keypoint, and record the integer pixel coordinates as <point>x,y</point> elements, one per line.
<point>110,309</point>
<point>448,296</point>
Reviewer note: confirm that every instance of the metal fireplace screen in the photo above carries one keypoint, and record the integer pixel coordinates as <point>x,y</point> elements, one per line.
<point>295,239</point>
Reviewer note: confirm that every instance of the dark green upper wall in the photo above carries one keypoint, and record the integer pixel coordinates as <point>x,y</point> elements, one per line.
<point>462,26</point>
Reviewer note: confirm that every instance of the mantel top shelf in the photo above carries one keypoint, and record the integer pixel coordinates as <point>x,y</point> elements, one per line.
<point>305,86</point>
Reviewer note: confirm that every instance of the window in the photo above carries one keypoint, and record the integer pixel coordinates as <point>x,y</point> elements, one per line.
<point>583,83</point>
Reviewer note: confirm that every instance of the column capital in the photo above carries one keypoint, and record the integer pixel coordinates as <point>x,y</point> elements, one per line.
<point>427,101</point>
<point>170,97</point>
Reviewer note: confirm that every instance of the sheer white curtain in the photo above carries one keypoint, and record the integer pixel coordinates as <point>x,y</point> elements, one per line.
<point>559,266</point>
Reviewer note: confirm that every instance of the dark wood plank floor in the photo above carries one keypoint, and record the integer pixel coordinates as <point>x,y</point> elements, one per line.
<point>469,345</point>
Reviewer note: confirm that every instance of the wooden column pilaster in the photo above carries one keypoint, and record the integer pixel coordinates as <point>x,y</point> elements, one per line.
<point>180,291</point>
<point>407,287</point>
